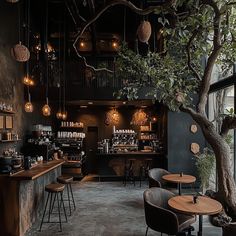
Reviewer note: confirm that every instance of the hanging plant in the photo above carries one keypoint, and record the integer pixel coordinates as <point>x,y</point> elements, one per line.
<point>144,31</point>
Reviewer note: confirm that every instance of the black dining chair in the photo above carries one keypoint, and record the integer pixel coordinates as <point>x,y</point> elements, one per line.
<point>155,180</point>
<point>160,218</point>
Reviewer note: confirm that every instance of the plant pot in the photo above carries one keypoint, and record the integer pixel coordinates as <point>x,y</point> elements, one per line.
<point>229,230</point>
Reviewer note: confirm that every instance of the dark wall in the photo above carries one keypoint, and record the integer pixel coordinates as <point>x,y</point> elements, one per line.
<point>180,158</point>
<point>11,71</point>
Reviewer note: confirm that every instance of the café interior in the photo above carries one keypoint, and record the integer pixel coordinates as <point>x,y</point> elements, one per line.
<point>78,159</point>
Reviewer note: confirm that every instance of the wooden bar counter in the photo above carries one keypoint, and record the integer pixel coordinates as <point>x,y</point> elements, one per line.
<point>112,164</point>
<point>22,197</point>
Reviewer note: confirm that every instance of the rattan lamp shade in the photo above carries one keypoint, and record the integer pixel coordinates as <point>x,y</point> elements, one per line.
<point>20,53</point>
<point>144,31</point>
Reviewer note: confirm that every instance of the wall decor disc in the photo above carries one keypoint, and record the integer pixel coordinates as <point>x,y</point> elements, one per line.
<point>20,53</point>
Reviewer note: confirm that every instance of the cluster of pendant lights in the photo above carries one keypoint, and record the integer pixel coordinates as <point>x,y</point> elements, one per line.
<point>21,53</point>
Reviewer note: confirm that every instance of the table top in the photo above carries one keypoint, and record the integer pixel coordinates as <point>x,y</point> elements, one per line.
<point>37,171</point>
<point>176,178</point>
<point>204,205</point>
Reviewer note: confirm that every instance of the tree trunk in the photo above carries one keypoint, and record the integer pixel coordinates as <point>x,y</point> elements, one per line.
<point>226,183</point>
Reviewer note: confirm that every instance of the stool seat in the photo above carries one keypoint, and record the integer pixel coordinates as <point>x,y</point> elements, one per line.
<point>54,188</point>
<point>64,179</point>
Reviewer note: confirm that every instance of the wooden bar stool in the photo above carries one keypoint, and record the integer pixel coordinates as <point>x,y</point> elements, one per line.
<point>144,168</point>
<point>54,188</point>
<point>67,181</point>
<point>129,171</point>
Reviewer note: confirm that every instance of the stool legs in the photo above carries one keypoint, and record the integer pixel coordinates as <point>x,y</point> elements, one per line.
<point>68,195</point>
<point>51,206</point>
<point>72,195</point>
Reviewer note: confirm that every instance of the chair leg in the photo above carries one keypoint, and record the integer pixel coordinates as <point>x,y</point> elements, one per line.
<point>44,213</point>
<point>146,231</point>
<point>50,207</point>
<point>72,195</point>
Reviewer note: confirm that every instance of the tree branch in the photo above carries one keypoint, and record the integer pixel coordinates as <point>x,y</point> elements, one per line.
<point>188,47</point>
<point>126,3</point>
<point>228,123</point>
<point>205,84</point>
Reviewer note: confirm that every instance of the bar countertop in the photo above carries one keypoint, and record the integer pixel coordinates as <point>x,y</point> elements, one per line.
<point>37,171</point>
<point>129,153</point>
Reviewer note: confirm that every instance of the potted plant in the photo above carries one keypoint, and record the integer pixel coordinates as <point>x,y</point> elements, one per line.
<point>205,163</point>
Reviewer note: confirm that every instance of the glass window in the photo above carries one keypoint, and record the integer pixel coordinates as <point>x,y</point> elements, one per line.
<point>220,103</point>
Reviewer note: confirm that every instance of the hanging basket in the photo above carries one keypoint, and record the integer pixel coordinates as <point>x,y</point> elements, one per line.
<point>20,53</point>
<point>144,31</point>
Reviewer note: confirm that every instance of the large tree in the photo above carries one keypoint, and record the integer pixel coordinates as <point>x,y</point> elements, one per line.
<point>204,29</point>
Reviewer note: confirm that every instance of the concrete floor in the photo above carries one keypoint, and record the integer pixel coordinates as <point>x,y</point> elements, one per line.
<point>108,209</point>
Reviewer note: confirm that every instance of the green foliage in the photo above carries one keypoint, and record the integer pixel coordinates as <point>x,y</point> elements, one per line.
<point>165,77</point>
<point>205,163</point>
<point>168,74</point>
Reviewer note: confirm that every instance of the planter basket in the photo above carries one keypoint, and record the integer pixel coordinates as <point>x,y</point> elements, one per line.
<point>144,31</point>
<point>20,53</point>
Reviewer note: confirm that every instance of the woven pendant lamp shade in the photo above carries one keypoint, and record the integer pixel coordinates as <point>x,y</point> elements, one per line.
<point>20,53</point>
<point>144,31</point>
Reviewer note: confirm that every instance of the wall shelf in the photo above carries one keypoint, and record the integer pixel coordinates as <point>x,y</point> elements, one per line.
<point>7,112</point>
<point>7,141</point>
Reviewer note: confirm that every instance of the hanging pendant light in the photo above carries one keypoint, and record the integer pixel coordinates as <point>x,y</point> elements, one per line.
<point>19,51</point>
<point>144,31</point>
<point>64,112</point>
<point>28,105</point>
<point>59,114</point>
<point>46,108</point>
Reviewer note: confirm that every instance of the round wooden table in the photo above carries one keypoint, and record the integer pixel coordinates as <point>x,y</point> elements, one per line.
<point>203,206</point>
<point>179,179</point>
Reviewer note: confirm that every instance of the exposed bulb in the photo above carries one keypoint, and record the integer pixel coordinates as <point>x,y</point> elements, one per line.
<point>46,110</point>
<point>28,80</point>
<point>59,115</point>
<point>64,115</point>
<point>29,107</point>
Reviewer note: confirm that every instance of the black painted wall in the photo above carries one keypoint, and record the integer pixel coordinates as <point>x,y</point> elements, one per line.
<point>180,158</point>
<point>11,71</point>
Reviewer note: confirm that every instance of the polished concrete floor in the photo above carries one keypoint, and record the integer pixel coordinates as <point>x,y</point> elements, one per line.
<point>108,209</point>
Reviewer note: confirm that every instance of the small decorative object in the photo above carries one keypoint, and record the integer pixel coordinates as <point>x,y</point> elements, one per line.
<point>144,31</point>
<point>194,199</point>
<point>193,128</point>
<point>179,97</point>
<point>1,122</point>
<point>195,148</point>
<point>9,122</point>
<point>20,52</point>
<point>139,118</point>
<point>181,174</point>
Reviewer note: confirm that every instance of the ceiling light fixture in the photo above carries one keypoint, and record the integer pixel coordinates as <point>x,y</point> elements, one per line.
<point>90,103</point>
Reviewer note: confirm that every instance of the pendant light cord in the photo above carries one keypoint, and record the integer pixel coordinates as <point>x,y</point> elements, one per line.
<point>28,34</point>
<point>19,22</point>
<point>64,65</point>
<point>46,49</point>
<point>59,65</point>
<point>124,33</point>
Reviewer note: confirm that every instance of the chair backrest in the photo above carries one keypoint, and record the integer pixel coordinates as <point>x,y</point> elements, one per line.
<point>158,216</point>
<point>154,177</point>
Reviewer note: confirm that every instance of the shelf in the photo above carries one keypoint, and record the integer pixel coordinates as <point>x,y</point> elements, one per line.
<point>7,112</point>
<point>6,141</point>
<point>71,127</point>
<point>148,131</point>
